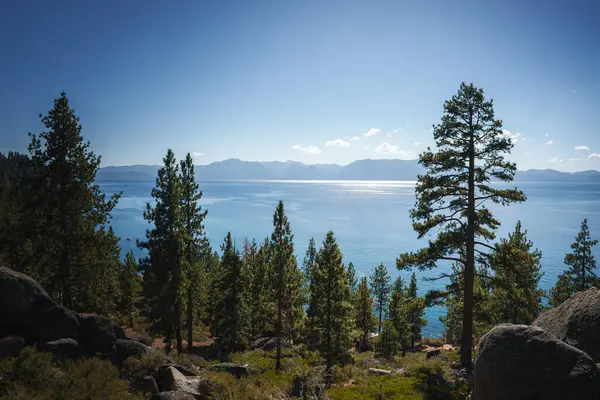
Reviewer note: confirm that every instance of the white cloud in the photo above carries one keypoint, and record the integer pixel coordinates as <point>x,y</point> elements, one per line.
<point>555,159</point>
<point>312,150</point>
<point>594,155</point>
<point>337,143</point>
<point>549,142</point>
<point>585,148</point>
<point>527,154</point>
<point>372,132</point>
<point>546,134</point>
<point>389,135</point>
<point>573,159</point>
<point>397,130</point>
<point>416,143</point>
<point>196,154</point>
<point>387,148</point>
<point>354,138</point>
<point>514,137</point>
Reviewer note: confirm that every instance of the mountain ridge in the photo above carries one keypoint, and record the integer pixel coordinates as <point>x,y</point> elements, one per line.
<point>366,169</point>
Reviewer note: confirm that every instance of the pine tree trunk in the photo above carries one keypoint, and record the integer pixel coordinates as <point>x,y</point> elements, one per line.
<point>469,268</point>
<point>380,315</point>
<point>190,319</point>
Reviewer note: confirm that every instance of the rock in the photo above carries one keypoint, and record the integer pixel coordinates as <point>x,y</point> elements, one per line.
<point>172,395</point>
<point>518,362</point>
<point>576,322</point>
<point>96,334</point>
<point>379,372</point>
<point>237,370</point>
<point>268,344</point>
<point>11,346</point>
<point>173,380</point>
<point>62,349</point>
<point>145,339</point>
<point>144,384</point>
<point>119,331</point>
<point>129,348</point>
<point>433,353</point>
<point>22,301</point>
<point>185,370</point>
<point>58,323</point>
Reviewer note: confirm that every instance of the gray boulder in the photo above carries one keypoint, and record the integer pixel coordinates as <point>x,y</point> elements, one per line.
<point>433,353</point>
<point>173,380</point>
<point>63,349</point>
<point>22,301</point>
<point>519,362</point>
<point>269,343</point>
<point>11,346</point>
<point>144,384</point>
<point>172,395</point>
<point>184,369</point>
<point>237,370</point>
<point>129,348</point>
<point>96,334</point>
<point>576,322</point>
<point>58,323</point>
<point>119,331</point>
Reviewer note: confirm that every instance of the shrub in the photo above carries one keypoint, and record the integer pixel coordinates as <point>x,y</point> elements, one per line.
<point>136,367</point>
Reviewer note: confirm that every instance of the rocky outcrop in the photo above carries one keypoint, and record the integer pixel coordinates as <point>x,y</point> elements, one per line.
<point>173,380</point>
<point>129,348</point>
<point>576,322</point>
<point>518,362</point>
<point>63,349</point>
<point>269,343</point>
<point>58,323</point>
<point>11,346</point>
<point>144,384</point>
<point>97,334</point>
<point>174,395</point>
<point>22,303</point>
<point>237,370</point>
<point>185,370</point>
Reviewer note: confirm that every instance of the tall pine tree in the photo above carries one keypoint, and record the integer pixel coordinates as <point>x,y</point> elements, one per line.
<point>365,320</point>
<point>69,216</point>
<point>398,313</point>
<point>415,309</point>
<point>381,286</point>
<point>130,287</point>
<point>581,261</point>
<point>451,195</point>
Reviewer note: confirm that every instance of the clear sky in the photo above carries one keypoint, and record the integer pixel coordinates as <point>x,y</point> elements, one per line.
<point>312,81</point>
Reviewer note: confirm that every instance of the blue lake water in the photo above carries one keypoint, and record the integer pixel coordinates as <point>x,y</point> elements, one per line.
<point>370,220</point>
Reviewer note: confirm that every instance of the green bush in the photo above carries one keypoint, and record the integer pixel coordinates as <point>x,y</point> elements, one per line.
<point>135,367</point>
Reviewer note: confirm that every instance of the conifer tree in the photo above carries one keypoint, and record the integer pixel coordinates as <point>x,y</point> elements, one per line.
<point>69,216</point>
<point>389,341</point>
<point>231,310</point>
<point>329,310</point>
<point>365,320</point>
<point>194,240</point>
<point>164,279</point>
<point>516,297</point>
<point>581,261</point>
<point>130,286</point>
<point>562,290</point>
<point>415,309</point>
<point>283,261</point>
<point>256,269</point>
<point>398,313</point>
<point>451,195</point>
<point>352,279</point>
<point>381,287</point>
<point>309,261</point>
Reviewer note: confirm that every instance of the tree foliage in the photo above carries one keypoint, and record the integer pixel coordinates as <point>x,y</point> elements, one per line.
<point>452,194</point>
<point>365,320</point>
<point>130,286</point>
<point>381,286</point>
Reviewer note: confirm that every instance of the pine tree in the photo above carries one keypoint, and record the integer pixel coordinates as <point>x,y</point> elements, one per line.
<point>561,291</point>
<point>69,215</point>
<point>255,264</point>
<point>381,288</point>
<point>415,309</point>
<point>283,261</point>
<point>451,195</point>
<point>329,310</point>
<point>309,261</point>
<point>194,241</point>
<point>352,279</point>
<point>164,279</point>
<point>130,286</point>
<point>398,313</point>
<point>516,297</point>
<point>365,320</point>
<point>389,341</point>
<point>581,261</point>
<point>231,311</point>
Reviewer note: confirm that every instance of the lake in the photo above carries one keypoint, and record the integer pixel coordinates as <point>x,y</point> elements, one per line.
<point>370,220</point>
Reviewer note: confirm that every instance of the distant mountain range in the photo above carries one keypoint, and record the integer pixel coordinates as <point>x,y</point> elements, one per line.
<point>364,170</point>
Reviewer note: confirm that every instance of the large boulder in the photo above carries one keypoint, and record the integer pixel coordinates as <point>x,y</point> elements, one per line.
<point>172,395</point>
<point>129,348</point>
<point>576,322</point>
<point>62,349</point>
<point>96,334</point>
<point>58,323</point>
<point>269,343</point>
<point>11,346</point>
<point>144,384</point>
<point>173,380</point>
<point>519,362</point>
<point>22,301</point>
<point>237,370</point>
<point>184,369</point>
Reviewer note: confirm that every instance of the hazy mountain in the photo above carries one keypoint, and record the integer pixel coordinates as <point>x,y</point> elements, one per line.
<point>377,170</point>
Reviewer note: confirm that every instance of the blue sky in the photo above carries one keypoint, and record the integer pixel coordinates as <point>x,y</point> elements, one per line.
<point>312,81</point>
